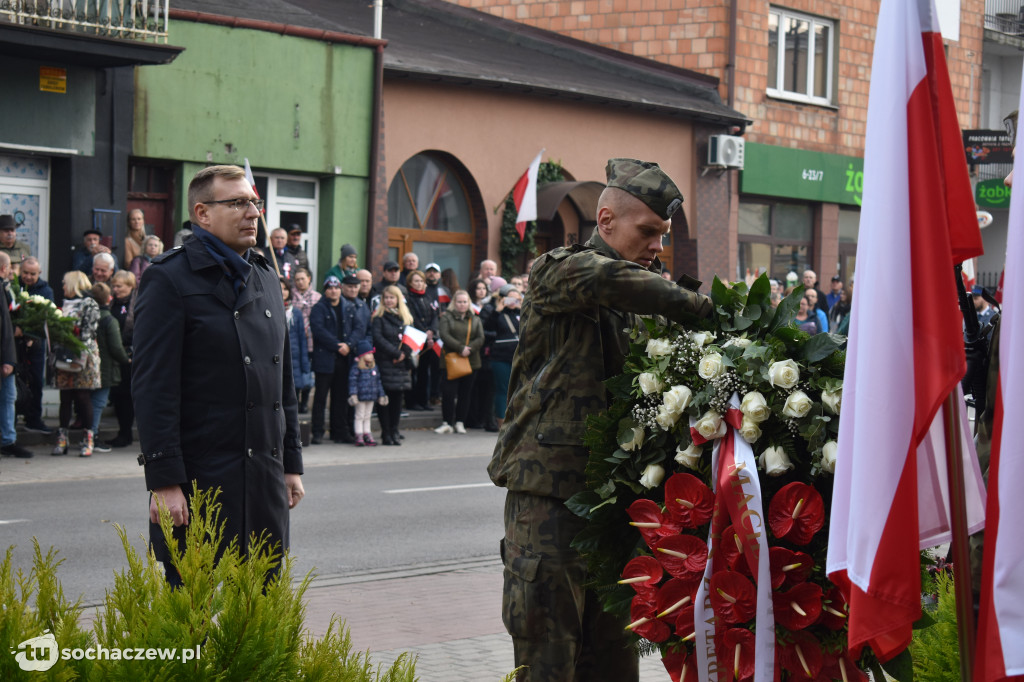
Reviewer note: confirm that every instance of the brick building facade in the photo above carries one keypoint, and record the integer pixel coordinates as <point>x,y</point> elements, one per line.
<point>821,133</point>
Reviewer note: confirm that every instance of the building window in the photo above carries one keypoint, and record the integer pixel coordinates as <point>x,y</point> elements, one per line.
<point>775,238</point>
<point>429,213</point>
<point>801,57</point>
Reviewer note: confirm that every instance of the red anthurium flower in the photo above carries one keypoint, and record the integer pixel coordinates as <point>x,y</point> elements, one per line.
<point>644,621</point>
<point>799,607</point>
<point>684,556</point>
<point>643,567</point>
<point>684,622</point>
<point>788,567</point>
<point>680,667</point>
<point>801,656</point>
<point>731,551</point>
<point>651,522</point>
<point>841,667</point>
<point>735,651</point>
<point>689,500</point>
<point>675,595</point>
<point>796,513</point>
<point>733,597</point>
<point>834,611</point>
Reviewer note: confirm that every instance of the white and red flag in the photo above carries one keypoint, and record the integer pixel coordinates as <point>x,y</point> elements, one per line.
<point>1000,650</point>
<point>251,180</point>
<point>917,221</point>
<point>414,338</point>
<point>524,194</point>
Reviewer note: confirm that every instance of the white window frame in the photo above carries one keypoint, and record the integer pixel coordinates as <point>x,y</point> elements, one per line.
<point>277,203</point>
<point>776,89</point>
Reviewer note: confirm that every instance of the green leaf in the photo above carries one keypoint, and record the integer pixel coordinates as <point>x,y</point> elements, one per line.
<point>719,293</point>
<point>581,503</point>
<point>760,293</point>
<point>819,347</point>
<point>740,322</point>
<point>901,668</point>
<point>787,310</point>
<point>620,386</point>
<point>925,621</point>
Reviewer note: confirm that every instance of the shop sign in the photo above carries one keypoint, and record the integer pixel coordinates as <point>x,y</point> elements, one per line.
<point>987,146</point>
<point>801,174</point>
<point>53,79</point>
<point>992,194</point>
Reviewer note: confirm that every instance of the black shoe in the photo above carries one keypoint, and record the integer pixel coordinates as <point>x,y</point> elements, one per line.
<point>396,438</point>
<point>399,436</point>
<point>100,446</point>
<point>491,428</point>
<point>316,440</point>
<point>347,439</point>
<point>120,442</point>
<point>386,439</point>
<point>15,450</point>
<point>39,428</point>
<point>303,409</point>
<point>415,408</point>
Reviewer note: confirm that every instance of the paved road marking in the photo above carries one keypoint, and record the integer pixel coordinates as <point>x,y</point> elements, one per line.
<point>439,487</point>
<point>4,522</point>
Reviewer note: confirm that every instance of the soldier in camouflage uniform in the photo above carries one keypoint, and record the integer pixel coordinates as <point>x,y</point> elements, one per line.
<point>582,301</point>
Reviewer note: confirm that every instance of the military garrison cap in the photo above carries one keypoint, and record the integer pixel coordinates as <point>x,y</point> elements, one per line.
<point>647,182</point>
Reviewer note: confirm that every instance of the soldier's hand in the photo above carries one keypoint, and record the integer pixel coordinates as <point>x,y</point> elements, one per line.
<point>703,307</point>
<point>173,499</point>
<point>293,483</point>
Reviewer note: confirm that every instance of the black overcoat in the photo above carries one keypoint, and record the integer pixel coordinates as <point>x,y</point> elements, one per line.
<point>212,385</point>
<point>388,346</point>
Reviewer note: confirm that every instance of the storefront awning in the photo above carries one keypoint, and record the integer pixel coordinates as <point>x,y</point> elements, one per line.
<point>583,195</point>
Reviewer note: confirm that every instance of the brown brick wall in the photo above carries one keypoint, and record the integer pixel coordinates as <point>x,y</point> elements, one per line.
<point>694,34</point>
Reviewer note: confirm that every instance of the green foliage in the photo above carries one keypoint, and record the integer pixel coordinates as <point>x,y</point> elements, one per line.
<point>242,613</point>
<point>38,316</point>
<point>935,649</point>
<point>512,249</point>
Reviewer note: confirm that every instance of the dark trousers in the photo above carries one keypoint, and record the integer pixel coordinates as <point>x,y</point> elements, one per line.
<point>421,378</point>
<point>35,359</point>
<point>390,414</point>
<point>481,414</point>
<point>455,398</point>
<point>124,408</point>
<point>82,399</point>
<point>334,384</point>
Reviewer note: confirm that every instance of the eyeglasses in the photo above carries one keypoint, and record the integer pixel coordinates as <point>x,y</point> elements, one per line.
<point>240,203</point>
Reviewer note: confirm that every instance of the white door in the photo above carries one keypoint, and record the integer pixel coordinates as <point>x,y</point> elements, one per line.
<point>292,200</point>
<point>25,194</point>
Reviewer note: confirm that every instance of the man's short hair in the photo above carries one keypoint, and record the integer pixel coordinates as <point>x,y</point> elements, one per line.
<point>105,258</point>
<point>5,259</point>
<point>201,187</point>
<point>30,260</point>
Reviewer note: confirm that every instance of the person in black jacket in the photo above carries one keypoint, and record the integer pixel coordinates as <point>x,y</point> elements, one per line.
<point>504,325</point>
<point>212,373</point>
<point>424,316</point>
<point>394,359</point>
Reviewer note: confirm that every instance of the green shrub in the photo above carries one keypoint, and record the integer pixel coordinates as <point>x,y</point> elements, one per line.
<point>241,613</point>
<point>935,649</point>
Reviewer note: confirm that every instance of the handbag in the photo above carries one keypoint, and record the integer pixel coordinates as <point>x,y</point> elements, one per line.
<point>62,357</point>
<point>456,365</point>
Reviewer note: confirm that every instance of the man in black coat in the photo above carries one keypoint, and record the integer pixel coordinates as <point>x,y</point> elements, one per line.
<point>212,367</point>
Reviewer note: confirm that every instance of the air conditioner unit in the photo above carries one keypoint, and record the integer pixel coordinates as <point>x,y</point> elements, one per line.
<point>725,151</point>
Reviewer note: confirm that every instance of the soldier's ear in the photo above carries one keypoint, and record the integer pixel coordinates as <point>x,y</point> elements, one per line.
<point>605,219</point>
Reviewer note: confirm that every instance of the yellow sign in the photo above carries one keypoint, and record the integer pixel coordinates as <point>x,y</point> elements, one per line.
<point>53,79</point>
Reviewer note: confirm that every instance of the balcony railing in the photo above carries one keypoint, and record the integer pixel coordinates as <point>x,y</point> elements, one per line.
<point>1005,16</point>
<point>144,20</point>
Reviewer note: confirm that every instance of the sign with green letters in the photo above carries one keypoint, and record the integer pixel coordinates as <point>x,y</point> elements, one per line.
<point>801,174</point>
<point>992,194</point>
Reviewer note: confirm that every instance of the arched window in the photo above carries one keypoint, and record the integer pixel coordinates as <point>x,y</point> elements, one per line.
<point>430,212</point>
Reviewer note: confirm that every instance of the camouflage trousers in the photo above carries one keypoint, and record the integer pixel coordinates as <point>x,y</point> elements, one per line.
<point>557,626</point>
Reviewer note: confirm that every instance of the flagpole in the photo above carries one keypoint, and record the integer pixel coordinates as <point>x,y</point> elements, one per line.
<point>273,256</point>
<point>960,549</point>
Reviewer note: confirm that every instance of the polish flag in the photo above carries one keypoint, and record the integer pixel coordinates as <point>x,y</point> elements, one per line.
<point>917,220</point>
<point>250,179</point>
<point>1000,652</point>
<point>414,338</point>
<point>524,194</point>
<point>970,279</point>
<point>438,346</point>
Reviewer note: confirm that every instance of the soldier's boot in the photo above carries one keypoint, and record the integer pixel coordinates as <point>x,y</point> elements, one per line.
<point>61,448</point>
<point>87,444</point>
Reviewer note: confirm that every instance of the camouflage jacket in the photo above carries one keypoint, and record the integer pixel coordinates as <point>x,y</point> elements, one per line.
<point>574,328</point>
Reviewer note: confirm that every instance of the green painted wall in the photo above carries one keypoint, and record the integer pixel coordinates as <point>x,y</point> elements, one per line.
<point>289,104</point>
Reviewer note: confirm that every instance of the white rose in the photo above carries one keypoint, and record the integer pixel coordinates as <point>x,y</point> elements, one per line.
<point>677,399</point>
<point>658,347</point>
<point>797,405</point>
<point>652,476</point>
<point>636,442</point>
<point>775,461</point>
<point>711,425</point>
<point>650,383</point>
<point>666,418</point>
<point>739,342</point>
<point>784,374</point>
<point>700,339</point>
<point>711,366</point>
<point>829,451</point>
<point>749,430</point>
<point>690,457</point>
<point>755,407</point>
<point>832,400</point>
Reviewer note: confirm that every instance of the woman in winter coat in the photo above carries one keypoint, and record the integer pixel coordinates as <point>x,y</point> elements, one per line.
<point>456,324</point>
<point>424,316</point>
<point>112,358</point>
<point>77,387</point>
<point>394,359</point>
<point>504,324</point>
<point>302,374</point>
